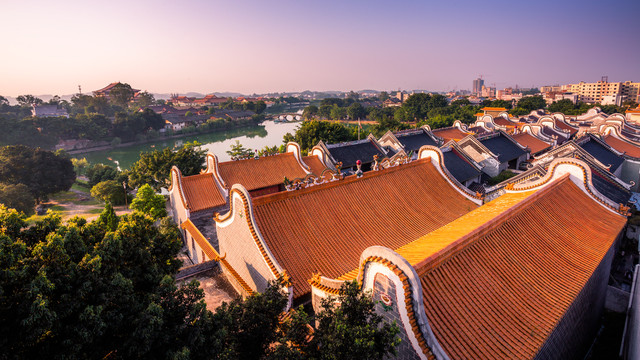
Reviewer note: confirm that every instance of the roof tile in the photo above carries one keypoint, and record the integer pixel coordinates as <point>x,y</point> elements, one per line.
<point>325,228</point>
<point>263,172</point>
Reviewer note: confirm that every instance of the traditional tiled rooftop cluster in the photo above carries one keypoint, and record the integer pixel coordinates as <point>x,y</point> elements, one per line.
<point>508,279</point>
<point>325,228</point>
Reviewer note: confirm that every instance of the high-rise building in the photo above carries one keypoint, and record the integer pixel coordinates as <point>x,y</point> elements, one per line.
<point>477,86</point>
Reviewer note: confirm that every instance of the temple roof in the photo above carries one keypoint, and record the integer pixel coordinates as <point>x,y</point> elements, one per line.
<point>350,152</point>
<point>603,154</point>
<point>263,172</point>
<point>413,140</point>
<point>503,147</point>
<point>535,145</point>
<point>201,192</point>
<point>459,167</point>
<point>326,227</point>
<point>490,294</point>
<point>606,187</point>
<point>503,122</point>
<point>450,133</point>
<point>564,126</point>
<point>315,164</point>
<point>551,132</point>
<point>623,146</point>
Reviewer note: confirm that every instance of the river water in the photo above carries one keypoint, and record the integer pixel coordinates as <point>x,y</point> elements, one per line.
<point>268,133</point>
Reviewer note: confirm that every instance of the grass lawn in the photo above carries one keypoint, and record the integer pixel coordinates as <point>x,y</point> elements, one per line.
<point>81,186</point>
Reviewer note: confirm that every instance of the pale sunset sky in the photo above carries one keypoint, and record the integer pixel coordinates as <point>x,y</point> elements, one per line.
<point>51,47</point>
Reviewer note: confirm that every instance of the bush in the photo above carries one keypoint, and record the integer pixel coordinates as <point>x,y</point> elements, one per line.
<point>116,141</point>
<point>507,174</point>
<point>109,191</point>
<point>17,197</point>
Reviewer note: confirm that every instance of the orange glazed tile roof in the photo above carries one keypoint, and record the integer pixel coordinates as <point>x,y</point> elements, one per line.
<point>452,133</point>
<point>498,280</point>
<point>622,146</point>
<point>562,125</point>
<point>494,109</point>
<point>535,145</point>
<point>504,122</point>
<point>263,172</point>
<point>315,164</point>
<point>325,228</point>
<point>201,192</point>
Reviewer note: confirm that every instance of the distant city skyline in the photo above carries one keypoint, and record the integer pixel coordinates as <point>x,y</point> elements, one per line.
<point>288,46</point>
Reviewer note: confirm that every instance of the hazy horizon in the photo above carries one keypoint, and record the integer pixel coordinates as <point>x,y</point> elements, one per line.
<point>289,46</point>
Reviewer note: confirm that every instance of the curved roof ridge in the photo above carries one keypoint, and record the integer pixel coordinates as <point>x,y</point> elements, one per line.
<point>265,199</point>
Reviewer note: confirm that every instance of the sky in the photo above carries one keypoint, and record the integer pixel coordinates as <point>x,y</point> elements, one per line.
<point>51,47</point>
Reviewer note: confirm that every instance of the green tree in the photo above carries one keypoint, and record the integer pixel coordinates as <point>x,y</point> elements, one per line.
<point>531,103</point>
<point>108,217</point>
<point>238,151</point>
<point>324,111</point>
<point>309,112</point>
<point>28,100</point>
<point>109,191</point>
<point>356,111</point>
<point>149,203</point>
<point>612,109</point>
<point>460,102</point>
<point>150,119</point>
<point>42,171</point>
<point>383,96</point>
<point>154,167</point>
<point>501,103</point>
<point>311,132</point>
<point>338,113</point>
<point>100,172</point>
<point>121,94</point>
<point>17,197</point>
<point>79,165</point>
<point>260,107</point>
<point>564,106</point>
<point>349,328</point>
<point>80,291</point>
<point>145,99</point>
<point>418,105</point>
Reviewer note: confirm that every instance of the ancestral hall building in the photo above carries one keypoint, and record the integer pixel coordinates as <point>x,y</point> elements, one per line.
<point>518,272</point>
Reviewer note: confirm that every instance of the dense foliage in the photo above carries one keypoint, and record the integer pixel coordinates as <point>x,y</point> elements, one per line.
<point>42,172</point>
<point>77,290</point>
<point>311,132</point>
<point>154,167</point>
<point>149,203</point>
<point>17,196</point>
<point>110,191</point>
<point>106,289</point>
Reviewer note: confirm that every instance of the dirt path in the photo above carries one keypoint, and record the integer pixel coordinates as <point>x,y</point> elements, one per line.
<point>72,205</point>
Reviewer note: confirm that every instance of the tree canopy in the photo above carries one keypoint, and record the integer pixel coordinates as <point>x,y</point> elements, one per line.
<point>154,167</point>
<point>121,94</point>
<point>311,132</point>
<point>42,171</point>
<point>149,203</point>
<point>106,289</point>
<point>77,290</point>
<point>17,196</point>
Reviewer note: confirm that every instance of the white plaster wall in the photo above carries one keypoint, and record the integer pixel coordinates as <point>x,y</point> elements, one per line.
<point>242,253</point>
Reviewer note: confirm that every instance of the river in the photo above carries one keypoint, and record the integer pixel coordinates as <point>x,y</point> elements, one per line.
<point>268,133</point>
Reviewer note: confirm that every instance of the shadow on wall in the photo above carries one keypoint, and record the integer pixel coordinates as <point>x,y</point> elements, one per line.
<point>256,277</point>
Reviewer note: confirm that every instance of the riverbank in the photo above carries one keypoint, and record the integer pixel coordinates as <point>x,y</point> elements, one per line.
<point>159,138</point>
<point>268,133</point>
